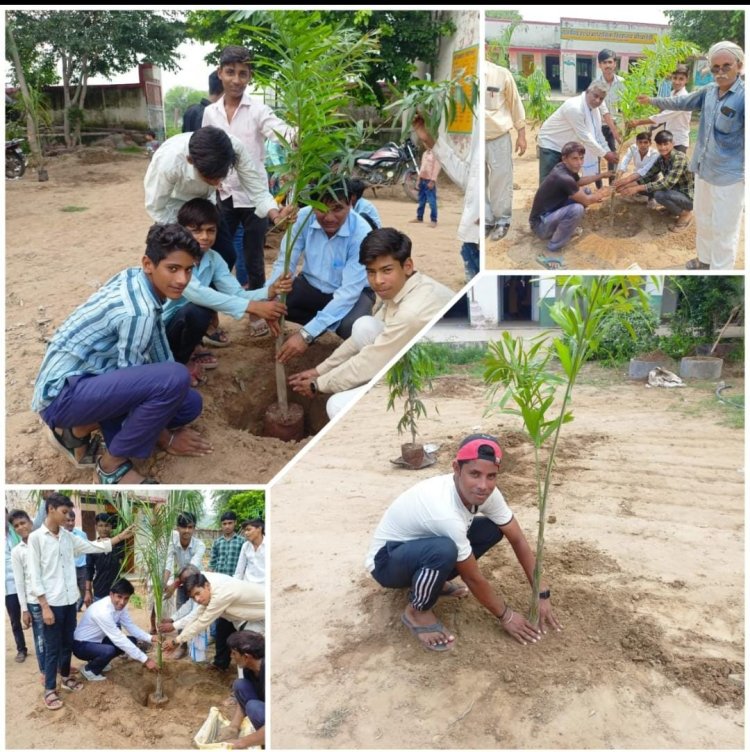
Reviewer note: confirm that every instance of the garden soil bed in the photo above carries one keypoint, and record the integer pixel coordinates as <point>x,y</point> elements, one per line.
<point>56,258</point>
<point>112,714</point>
<point>639,236</point>
<point>648,592</point>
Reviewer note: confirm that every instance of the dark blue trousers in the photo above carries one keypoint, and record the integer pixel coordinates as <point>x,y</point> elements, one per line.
<point>58,644</point>
<point>13,607</point>
<point>98,654</point>
<point>131,405</point>
<point>247,698</point>
<point>427,195</point>
<point>186,328</point>
<point>426,564</point>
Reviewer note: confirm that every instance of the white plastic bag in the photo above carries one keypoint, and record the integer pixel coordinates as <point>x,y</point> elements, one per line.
<point>205,737</point>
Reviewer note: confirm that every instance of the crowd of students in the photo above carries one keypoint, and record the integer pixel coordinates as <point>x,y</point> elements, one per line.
<point>48,584</point>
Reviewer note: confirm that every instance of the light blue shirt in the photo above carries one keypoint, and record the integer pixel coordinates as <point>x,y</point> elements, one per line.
<point>80,560</point>
<point>719,154</point>
<point>330,264</point>
<point>213,286</point>
<point>119,326</point>
<point>363,206</point>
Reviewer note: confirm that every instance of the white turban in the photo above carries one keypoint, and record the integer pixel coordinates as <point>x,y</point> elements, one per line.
<point>727,46</point>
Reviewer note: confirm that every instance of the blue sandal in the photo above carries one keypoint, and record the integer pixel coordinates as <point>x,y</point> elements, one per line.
<point>113,478</point>
<point>66,443</point>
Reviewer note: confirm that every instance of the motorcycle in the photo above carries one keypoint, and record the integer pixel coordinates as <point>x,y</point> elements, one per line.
<point>390,165</point>
<point>15,159</point>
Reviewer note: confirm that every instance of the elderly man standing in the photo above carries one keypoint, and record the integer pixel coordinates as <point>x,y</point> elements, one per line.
<point>718,160</point>
<point>578,119</point>
<point>503,110</point>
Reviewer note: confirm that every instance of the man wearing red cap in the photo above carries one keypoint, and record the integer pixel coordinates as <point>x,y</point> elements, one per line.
<point>433,533</point>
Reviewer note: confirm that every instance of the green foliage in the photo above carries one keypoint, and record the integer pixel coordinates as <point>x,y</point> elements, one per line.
<point>625,334</point>
<point>496,50</point>
<point>504,14</point>
<point>403,38</point>
<point>153,525</point>
<point>445,357</point>
<point>435,101</point>
<point>538,107</point>
<point>179,98</point>
<point>678,343</point>
<point>519,372</point>
<point>95,42</point>
<point>646,75</point>
<point>409,376</point>
<point>705,302</point>
<point>706,27</point>
<point>246,505</point>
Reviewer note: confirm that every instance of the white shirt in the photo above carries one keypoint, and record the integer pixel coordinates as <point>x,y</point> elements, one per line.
<point>231,599</point>
<point>465,174</point>
<point>574,120</point>
<point>179,557</point>
<point>101,619</point>
<point>22,575</point>
<point>171,180</point>
<point>52,563</point>
<point>251,566</point>
<point>433,508</point>
<point>641,165</point>
<point>613,95</point>
<point>677,122</point>
<point>253,122</point>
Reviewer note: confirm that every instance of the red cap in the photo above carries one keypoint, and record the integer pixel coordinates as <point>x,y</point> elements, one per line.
<point>480,447</point>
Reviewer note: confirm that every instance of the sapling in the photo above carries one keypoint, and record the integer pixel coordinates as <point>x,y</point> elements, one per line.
<point>410,375</point>
<point>311,64</point>
<point>154,524</point>
<point>518,373</point>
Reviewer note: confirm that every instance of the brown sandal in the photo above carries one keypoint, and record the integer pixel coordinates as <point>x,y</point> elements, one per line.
<point>52,700</point>
<point>71,684</point>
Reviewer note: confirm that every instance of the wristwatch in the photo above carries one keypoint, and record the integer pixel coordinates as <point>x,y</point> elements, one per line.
<point>307,338</point>
<point>544,594</point>
<point>313,387</point>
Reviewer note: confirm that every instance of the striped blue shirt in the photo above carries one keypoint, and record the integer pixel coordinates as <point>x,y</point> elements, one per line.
<point>119,326</point>
<point>330,264</point>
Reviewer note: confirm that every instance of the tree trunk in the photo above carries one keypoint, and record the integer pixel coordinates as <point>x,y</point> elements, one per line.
<point>281,394</point>
<point>31,126</point>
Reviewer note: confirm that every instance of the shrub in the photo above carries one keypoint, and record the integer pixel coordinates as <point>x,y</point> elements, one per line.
<point>625,334</point>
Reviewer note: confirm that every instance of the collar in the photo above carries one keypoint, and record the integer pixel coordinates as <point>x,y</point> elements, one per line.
<point>410,284</point>
<point>143,281</point>
<point>245,101</point>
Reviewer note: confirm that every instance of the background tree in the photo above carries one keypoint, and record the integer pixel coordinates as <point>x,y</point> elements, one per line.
<point>706,27</point>
<point>404,37</point>
<point>88,43</point>
<point>247,505</point>
<point>176,101</point>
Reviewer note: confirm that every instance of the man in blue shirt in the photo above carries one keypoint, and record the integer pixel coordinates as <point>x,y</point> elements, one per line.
<point>331,290</point>
<point>366,209</point>
<point>109,366</point>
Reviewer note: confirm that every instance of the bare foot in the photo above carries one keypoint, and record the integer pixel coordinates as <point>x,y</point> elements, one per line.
<point>424,625</point>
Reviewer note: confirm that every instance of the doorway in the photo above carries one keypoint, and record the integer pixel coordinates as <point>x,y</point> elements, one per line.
<point>584,69</point>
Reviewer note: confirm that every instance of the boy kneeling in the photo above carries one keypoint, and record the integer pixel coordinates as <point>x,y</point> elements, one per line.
<point>109,366</point>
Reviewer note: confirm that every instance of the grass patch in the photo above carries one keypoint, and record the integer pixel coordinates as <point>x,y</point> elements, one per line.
<point>136,601</point>
<point>74,208</point>
<point>729,411</point>
<point>449,359</point>
<point>131,150</point>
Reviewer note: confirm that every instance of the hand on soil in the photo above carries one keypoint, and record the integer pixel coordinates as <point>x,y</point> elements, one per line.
<point>294,346</point>
<point>189,443</point>
<point>521,629</point>
<point>151,665</point>
<point>546,617</point>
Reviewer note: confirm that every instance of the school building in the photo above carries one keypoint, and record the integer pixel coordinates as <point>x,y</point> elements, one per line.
<point>567,51</point>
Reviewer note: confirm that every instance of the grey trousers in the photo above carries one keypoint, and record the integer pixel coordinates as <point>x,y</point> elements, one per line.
<point>498,205</point>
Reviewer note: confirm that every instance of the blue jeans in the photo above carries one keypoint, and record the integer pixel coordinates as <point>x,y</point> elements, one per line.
<point>13,607</point>
<point>470,256</point>
<point>98,654</point>
<point>131,405</point>
<point>37,628</point>
<point>58,644</point>
<point>674,201</point>
<point>427,195</point>
<point>240,269</point>
<point>426,564</point>
<point>558,226</point>
<point>247,698</point>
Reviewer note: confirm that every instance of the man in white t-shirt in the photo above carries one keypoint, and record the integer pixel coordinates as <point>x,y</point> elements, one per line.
<point>433,533</point>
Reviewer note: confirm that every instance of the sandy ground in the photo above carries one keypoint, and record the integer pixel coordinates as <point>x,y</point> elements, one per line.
<point>56,258</point>
<point>639,236</point>
<point>644,561</point>
<point>111,714</point>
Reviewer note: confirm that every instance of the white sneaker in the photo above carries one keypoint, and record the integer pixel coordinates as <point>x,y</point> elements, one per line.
<point>108,667</point>
<point>90,675</point>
